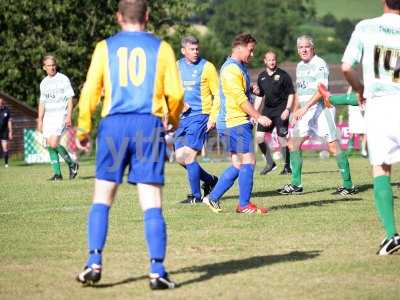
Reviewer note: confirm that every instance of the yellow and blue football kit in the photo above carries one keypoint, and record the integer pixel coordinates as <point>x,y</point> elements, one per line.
<point>137,75</point>
<point>200,82</point>
<point>232,121</point>
<point>235,130</point>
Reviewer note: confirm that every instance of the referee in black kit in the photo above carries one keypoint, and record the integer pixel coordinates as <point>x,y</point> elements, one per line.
<point>276,86</point>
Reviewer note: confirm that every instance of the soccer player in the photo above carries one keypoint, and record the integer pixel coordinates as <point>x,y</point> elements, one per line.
<point>6,133</point>
<point>55,113</point>
<point>200,82</point>
<point>275,85</point>
<point>376,44</point>
<point>235,128</point>
<point>313,119</point>
<point>140,79</point>
<point>357,127</point>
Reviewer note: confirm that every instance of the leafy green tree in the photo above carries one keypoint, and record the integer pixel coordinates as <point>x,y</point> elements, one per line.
<point>272,22</point>
<point>344,28</point>
<point>69,29</point>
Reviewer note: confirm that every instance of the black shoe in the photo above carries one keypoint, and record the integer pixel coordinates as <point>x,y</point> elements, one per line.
<point>268,169</point>
<point>55,178</point>
<point>389,246</point>
<point>89,275</point>
<point>290,189</point>
<point>286,171</point>
<point>346,192</point>
<point>207,188</point>
<point>213,205</point>
<point>190,200</point>
<point>161,283</point>
<point>73,171</point>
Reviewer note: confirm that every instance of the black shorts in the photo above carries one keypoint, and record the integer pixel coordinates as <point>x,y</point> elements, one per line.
<point>281,126</point>
<point>4,135</point>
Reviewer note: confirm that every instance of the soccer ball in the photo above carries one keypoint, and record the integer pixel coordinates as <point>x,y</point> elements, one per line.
<point>324,154</point>
<point>277,155</point>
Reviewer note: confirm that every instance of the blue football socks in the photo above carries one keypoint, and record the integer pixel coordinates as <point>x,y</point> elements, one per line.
<point>225,181</point>
<point>193,170</point>
<point>156,237</point>
<point>97,232</point>
<point>246,173</point>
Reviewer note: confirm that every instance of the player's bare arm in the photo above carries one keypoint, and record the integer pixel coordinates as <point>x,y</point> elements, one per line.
<point>285,114</point>
<point>249,109</point>
<point>258,103</point>
<point>40,117</point>
<point>68,118</point>
<point>352,77</point>
<point>302,111</point>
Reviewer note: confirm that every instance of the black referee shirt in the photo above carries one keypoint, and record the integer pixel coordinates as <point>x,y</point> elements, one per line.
<point>276,89</point>
<point>4,118</point>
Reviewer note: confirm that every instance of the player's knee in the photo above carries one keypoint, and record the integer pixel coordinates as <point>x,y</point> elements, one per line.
<point>259,138</point>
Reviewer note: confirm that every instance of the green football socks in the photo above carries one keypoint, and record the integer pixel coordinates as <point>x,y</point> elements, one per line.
<point>383,195</point>
<point>344,99</point>
<point>344,167</point>
<point>350,145</point>
<point>55,163</point>
<point>64,154</point>
<point>296,163</point>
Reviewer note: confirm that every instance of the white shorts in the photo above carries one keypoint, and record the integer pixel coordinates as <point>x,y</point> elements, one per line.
<point>53,126</point>
<point>356,120</point>
<point>317,122</point>
<point>383,129</point>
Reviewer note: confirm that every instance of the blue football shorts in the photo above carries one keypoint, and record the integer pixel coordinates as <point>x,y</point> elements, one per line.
<point>192,132</point>
<point>135,141</point>
<point>238,139</point>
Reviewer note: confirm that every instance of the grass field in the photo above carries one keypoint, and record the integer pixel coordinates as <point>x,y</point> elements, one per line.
<point>352,9</point>
<point>310,246</point>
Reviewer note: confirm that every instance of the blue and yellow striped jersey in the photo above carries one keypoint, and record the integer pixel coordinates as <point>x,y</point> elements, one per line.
<point>234,90</point>
<point>200,82</point>
<point>136,73</point>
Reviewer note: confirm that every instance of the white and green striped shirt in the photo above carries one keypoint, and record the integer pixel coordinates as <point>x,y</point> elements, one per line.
<point>308,75</point>
<point>54,94</point>
<point>376,43</point>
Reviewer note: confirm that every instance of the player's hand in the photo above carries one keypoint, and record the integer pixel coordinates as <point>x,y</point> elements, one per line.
<point>186,107</point>
<point>10,136</point>
<point>164,121</point>
<point>285,114</point>
<point>298,114</point>
<point>83,145</point>
<point>255,90</point>
<point>361,100</point>
<point>210,125</point>
<point>68,121</point>
<point>264,121</point>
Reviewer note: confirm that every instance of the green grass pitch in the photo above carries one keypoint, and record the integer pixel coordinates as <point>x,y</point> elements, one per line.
<point>310,246</point>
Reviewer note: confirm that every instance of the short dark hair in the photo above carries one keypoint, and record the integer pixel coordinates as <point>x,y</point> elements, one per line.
<point>242,39</point>
<point>133,11</point>
<point>393,4</point>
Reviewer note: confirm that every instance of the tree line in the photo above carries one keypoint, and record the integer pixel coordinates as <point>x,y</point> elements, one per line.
<point>71,28</point>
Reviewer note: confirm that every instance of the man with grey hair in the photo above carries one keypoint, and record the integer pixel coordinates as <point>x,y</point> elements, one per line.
<point>200,82</point>
<point>311,118</point>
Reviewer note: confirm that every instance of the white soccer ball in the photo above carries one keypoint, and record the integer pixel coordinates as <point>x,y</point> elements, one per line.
<point>324,154</point>
<point>277,155</point>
